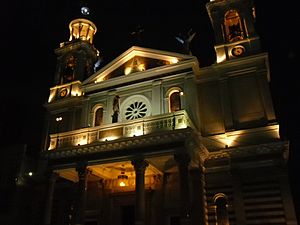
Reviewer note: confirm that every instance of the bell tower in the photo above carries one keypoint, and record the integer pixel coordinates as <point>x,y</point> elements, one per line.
<point>76,58</point>
<point>233,24</point>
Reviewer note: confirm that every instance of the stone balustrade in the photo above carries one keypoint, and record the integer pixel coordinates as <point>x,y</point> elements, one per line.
<point>138,127</point>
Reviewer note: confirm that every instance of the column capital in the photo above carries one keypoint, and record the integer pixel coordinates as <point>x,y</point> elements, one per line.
<point>140,165</point>
<point>82,170</point>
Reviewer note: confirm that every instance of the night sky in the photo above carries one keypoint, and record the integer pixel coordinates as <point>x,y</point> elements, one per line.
<point>31,30</point>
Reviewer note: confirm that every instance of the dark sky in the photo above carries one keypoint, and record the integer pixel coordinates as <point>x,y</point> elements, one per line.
<point>31,30</point>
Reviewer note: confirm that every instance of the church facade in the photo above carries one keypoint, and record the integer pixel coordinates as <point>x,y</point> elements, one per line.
<point>152,138</point>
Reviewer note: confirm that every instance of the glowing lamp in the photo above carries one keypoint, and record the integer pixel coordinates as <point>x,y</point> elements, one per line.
<point>174,60</point>
<point>123,179</point>
<point>127,70</point>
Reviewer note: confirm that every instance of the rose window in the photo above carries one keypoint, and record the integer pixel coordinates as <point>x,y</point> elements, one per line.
<point>135,107</point>
<point>135,110</point>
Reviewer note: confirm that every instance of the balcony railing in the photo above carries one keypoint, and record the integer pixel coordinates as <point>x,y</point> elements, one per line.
<point>138,127</point>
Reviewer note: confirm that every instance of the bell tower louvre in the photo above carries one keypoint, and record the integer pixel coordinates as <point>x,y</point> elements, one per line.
<point>153,138</point>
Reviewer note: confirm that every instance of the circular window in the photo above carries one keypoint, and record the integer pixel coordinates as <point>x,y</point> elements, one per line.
<point>135,107</point>
<point>136,110</point>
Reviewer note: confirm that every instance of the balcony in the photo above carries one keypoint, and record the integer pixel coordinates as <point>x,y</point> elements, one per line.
<point>132,128</point>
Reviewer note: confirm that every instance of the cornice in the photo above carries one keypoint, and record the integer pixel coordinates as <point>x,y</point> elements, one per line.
<point>74,101</point>
<point>74,45</point>
<point>281,147</point>
<point>152,144</point>
<point>142,76</point>
<point>235,67</point>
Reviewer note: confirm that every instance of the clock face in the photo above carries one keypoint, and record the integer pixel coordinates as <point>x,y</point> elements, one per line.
<point>238,50</point>
<point>63,92</point>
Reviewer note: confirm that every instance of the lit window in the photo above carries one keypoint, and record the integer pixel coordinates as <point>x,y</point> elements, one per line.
<point>175,101</point>
<point>233,26</point>
<point>70,65</point>
<point>98,116</point>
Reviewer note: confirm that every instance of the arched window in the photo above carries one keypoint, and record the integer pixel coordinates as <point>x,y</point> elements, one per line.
<point>68,75</point>
<point>98,116</point>
<point>174,100</point>
<point>221,209</point>
<point>233,26</point>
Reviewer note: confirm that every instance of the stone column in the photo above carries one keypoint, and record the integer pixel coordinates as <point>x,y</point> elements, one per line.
<point>82,192</point>
<point>49,198</point>
<point>183,168</point>
<point>140,166</point>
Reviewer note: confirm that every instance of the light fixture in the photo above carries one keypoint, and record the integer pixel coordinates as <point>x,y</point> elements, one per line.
<point>85,10</point>
<point>135,65</point>
<point>123,179</point>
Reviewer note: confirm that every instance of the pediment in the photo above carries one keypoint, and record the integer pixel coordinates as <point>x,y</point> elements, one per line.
<point>138,60</point>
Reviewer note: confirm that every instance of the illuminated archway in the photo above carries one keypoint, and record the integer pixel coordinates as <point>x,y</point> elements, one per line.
<point>220,201</point>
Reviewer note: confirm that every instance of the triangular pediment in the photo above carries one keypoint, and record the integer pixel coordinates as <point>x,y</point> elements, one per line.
<point>138,60</point>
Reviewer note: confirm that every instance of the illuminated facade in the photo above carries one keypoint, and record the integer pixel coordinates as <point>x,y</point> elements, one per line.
<point>153,139</point>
